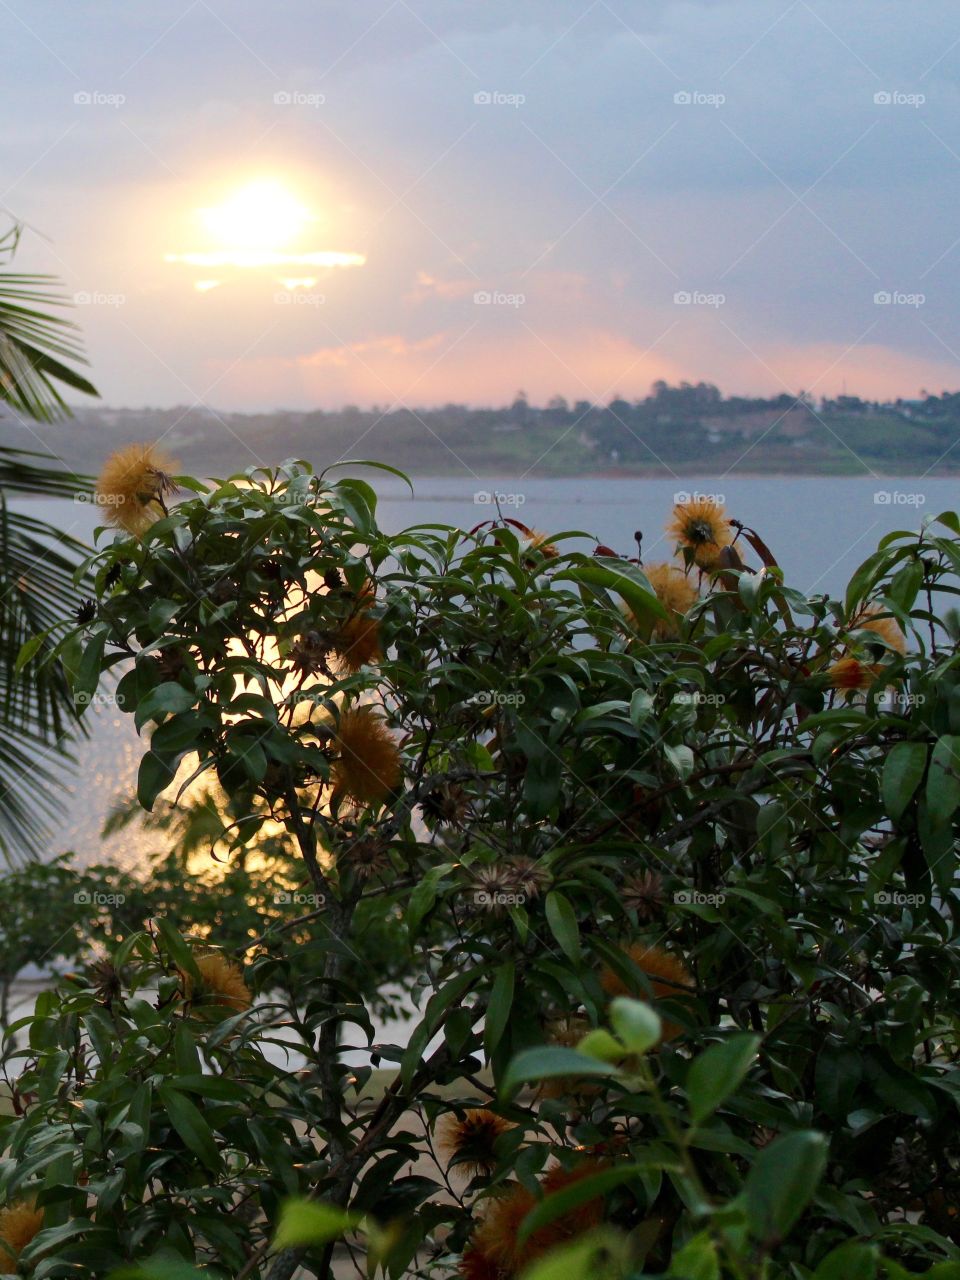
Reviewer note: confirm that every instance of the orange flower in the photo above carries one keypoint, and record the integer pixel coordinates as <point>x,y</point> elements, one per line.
<point>131,484</point>
<point>19,1223</point>
<point>675,592</point>
<point>670,979</point>
<point>368,766</point>
<point>702,527</point>
<point>495,1239</point>
<point>357,641</point>
<point>537,541</point>
<point>221,983</point>
<point>887,628</point>
<point>470,1139</point>
<point>851,675</point>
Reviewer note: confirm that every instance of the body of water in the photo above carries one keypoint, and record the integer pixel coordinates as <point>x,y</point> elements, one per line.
<point>819,528</point>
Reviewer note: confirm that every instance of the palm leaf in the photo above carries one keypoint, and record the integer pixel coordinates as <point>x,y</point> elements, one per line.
<point>38,563</point>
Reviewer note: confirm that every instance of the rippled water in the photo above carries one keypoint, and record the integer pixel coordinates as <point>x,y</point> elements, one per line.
<point>820,529</point>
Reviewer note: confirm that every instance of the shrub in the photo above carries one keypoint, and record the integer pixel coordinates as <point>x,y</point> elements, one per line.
<point>523,780</point>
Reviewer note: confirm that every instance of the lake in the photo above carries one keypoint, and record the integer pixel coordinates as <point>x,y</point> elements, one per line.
<point>819,528</point>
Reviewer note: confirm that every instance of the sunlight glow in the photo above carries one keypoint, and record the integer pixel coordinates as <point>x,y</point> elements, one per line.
<point>268,258</point>
<point>262,215</point>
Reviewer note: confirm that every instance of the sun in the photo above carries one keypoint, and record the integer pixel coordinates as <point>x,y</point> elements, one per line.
<point>262,217</point>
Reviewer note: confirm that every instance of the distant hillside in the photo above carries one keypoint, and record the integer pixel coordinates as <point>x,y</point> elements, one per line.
<point>685,429</point>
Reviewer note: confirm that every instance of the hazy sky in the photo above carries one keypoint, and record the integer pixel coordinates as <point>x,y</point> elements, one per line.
<point>581,166</point>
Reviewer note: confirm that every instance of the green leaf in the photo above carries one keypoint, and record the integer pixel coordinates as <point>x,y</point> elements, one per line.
<point>902,774</point>
<point>154,776</point>
<point>849,1261</point>
<point>943,780</point>
<point>577,1193</point>
<point>637,1025</point>
<point>600,1044</point>
<point>600,1255</point>
<point>717,1072</point>
<point>550,1062</point>
<point>697,1260</point>
<point>310,1222</point>
<point>191,1126</point>
<point>498,1010</point>
<point>782,1183</point>
<point>562,920</point>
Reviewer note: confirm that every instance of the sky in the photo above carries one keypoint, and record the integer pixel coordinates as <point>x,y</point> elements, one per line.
<point>413,202</point>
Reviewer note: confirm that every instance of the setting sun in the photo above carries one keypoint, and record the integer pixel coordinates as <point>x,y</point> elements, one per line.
<point>263,216</point>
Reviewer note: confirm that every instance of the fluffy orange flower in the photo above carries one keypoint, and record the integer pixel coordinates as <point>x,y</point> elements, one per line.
<point>675,592</point>
<point>537,541</point>
<point>19,1223</point>
<point>470,1139</point>
<point>357,641</point>
<point>669,979</point>
<point>367,768</point>
<point>887,628</point>
<point>130,485</point>
<point>851,675</point>
<point>495,1240</point>
<point>701,526</point>
<point>221,983</point>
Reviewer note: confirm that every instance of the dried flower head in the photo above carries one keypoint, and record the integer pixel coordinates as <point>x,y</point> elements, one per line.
<point>469,1140</point>
<point>106,980</point>
<point>644,895</point>
<point>493,890</point>
<point>366,857</point>
<point>221,983</point>
<point>367,767</point>
<point>132,485</point>
<point>530,877</point>
<point>444,803</point>
<point>85,612</point>
<point>702,527</point>
<point>669,978</point>
<point>309,653</point>
<point>19,1223</point>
